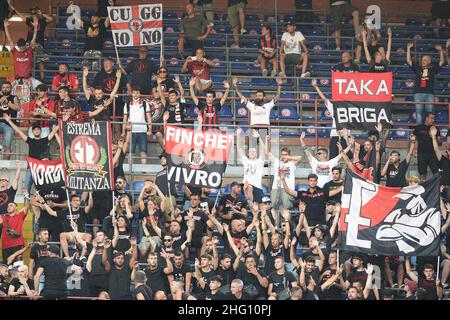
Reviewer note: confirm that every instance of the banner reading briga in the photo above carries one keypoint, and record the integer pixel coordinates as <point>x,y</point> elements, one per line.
<point>136,25</point>
<point>390,221</point>
<point>86,154</point>
<point>197,158</point>
<point>46,173</point>
<point>361,100</point>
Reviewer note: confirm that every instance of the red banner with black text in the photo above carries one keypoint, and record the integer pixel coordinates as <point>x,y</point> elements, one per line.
<point>46,173</point>
<point>361,100</point>
<point>197,158</point>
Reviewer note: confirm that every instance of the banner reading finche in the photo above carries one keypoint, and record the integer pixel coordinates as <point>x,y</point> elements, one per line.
<point>86,154</point>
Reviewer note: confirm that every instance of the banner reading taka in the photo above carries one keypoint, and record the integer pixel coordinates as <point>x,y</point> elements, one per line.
<point>86,153</point>
<point>197,158</point>
<point>390,221</point>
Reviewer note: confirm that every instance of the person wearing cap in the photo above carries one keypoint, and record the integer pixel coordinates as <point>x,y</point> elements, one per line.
<point>292,44</point>
<point>9,105</point>
<point>95,31</point>
<point>141,290</point>
<point>96,99</point>
<point>38,146</point>
<point>12,229</point>
<point>233,205</point>
<point>55,269</point>
<point>23,54</point>
<point>214,293</point>
<point>65,78</point>
<point>42,120</point>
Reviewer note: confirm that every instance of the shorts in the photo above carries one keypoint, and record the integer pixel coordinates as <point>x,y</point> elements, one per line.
<point>139,138</point>
<point>338,12</point>
<point>258,194</point>
<point>440,10</point>
<point>8,134</point>
<point>39,53</point>
<point>203,81</point>
<point>71,238</point>
<point>293,58</point>
<point>100,210</point>
<point>233,14</point>
<point>425,160</point>
<point>261,57</point>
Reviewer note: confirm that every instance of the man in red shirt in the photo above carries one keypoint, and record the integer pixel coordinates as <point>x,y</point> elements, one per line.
<point>70,113</point>
<point>12,235</point>
<point>65,78</point>
<point>42,101</point>
<point>23,57</point>
<point>199,68</point>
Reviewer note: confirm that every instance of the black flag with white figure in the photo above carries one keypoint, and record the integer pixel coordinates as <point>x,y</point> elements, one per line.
<point>390,221</point>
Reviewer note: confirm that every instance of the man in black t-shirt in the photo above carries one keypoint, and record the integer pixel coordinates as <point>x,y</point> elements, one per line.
<point>141,290</point>
<point>424,82</point>
<point>280,279</point>
<point>9,105</point>
<point>233,205</point>
<point>202,276</point>
<point>395,170</point>
<point>157,274</point>
<point>95,31</point>
<point>346,64</point>
<point>214,285</point>
<point>426,156</point>
<point>74,222</point>
<point>161,179</point>
<point>98,276</point>
<point>333,188</point>
<point>181,271</point>
<point>201,221</point>
<point>39,252</point>
<point>106,79</point>
<point>141,71</point>
<point>55,270</point>
<point>442,157</point>
<point>175,105</point>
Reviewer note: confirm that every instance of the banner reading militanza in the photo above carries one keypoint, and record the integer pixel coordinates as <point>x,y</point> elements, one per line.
<point>390,221</point>
<point>86,154</point>
<point>136,25</point>
<point>197,158</point>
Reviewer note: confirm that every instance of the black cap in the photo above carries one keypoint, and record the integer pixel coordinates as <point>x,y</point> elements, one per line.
<point>21,42</point>
<point>291,23</point>
<point>53,249</point>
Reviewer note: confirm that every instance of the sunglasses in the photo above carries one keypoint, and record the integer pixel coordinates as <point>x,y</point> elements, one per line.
<point>163,71</point>
<point>167,240</point>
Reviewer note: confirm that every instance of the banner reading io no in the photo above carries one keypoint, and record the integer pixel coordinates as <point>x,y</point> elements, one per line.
<point>361,100</point>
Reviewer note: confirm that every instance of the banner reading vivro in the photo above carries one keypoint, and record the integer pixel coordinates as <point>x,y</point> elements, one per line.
<point>390,221</point>
<point>86,154</point>
<point>361,100</point>
<point>197,158</point>
<point>136,25</point>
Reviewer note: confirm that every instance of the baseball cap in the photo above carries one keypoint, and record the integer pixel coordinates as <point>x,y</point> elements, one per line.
<point>291,23</point>
<point>140,276</point>
<point>318,226</point>
<point>53,249</point>
<point>265,199</point>
<point>412,285</point>
<point>21,42</point>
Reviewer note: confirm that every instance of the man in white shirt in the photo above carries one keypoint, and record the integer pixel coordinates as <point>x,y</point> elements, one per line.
<point>253,168</point>
<point>259,112</point>
<point>336,136</point>
<point>287,165</point>
<point>138,112</point>
<point>292,43</point>
<point>320,166</point>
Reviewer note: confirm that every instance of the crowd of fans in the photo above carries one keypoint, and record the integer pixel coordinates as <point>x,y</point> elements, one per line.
<point>247,245</point>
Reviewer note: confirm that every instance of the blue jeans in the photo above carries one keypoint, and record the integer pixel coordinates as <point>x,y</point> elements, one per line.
<point>139,138</point>
<point>8,134</point>
<point>423,97</point>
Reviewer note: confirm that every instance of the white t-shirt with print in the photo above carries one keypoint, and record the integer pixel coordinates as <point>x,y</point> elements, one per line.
<point>289,176</point>
<point>323,170</point>
<point>136,111</point>
<point>253,171</point>
<point>260,115</point>
<point>292,43</point>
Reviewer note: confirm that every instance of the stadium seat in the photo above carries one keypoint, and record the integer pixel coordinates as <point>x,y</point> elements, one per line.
<point>400,133</point>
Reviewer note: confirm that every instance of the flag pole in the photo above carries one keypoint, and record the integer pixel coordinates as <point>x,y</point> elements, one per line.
<point>161,53</point>
<point>438,266</point>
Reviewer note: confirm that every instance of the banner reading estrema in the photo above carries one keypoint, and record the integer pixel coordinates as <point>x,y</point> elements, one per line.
<point>6,64</point>
<point>86,153</point>
<point>196,157</point>
<point>361,100</point>
<point>136,25</point>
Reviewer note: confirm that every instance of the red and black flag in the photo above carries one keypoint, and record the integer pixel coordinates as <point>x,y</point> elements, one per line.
<point>197,158</point>
<point>48,174</point>
<point>390,221</point>
<point>86,155</point>
<point>361,100</point>
<point>366,167</point>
